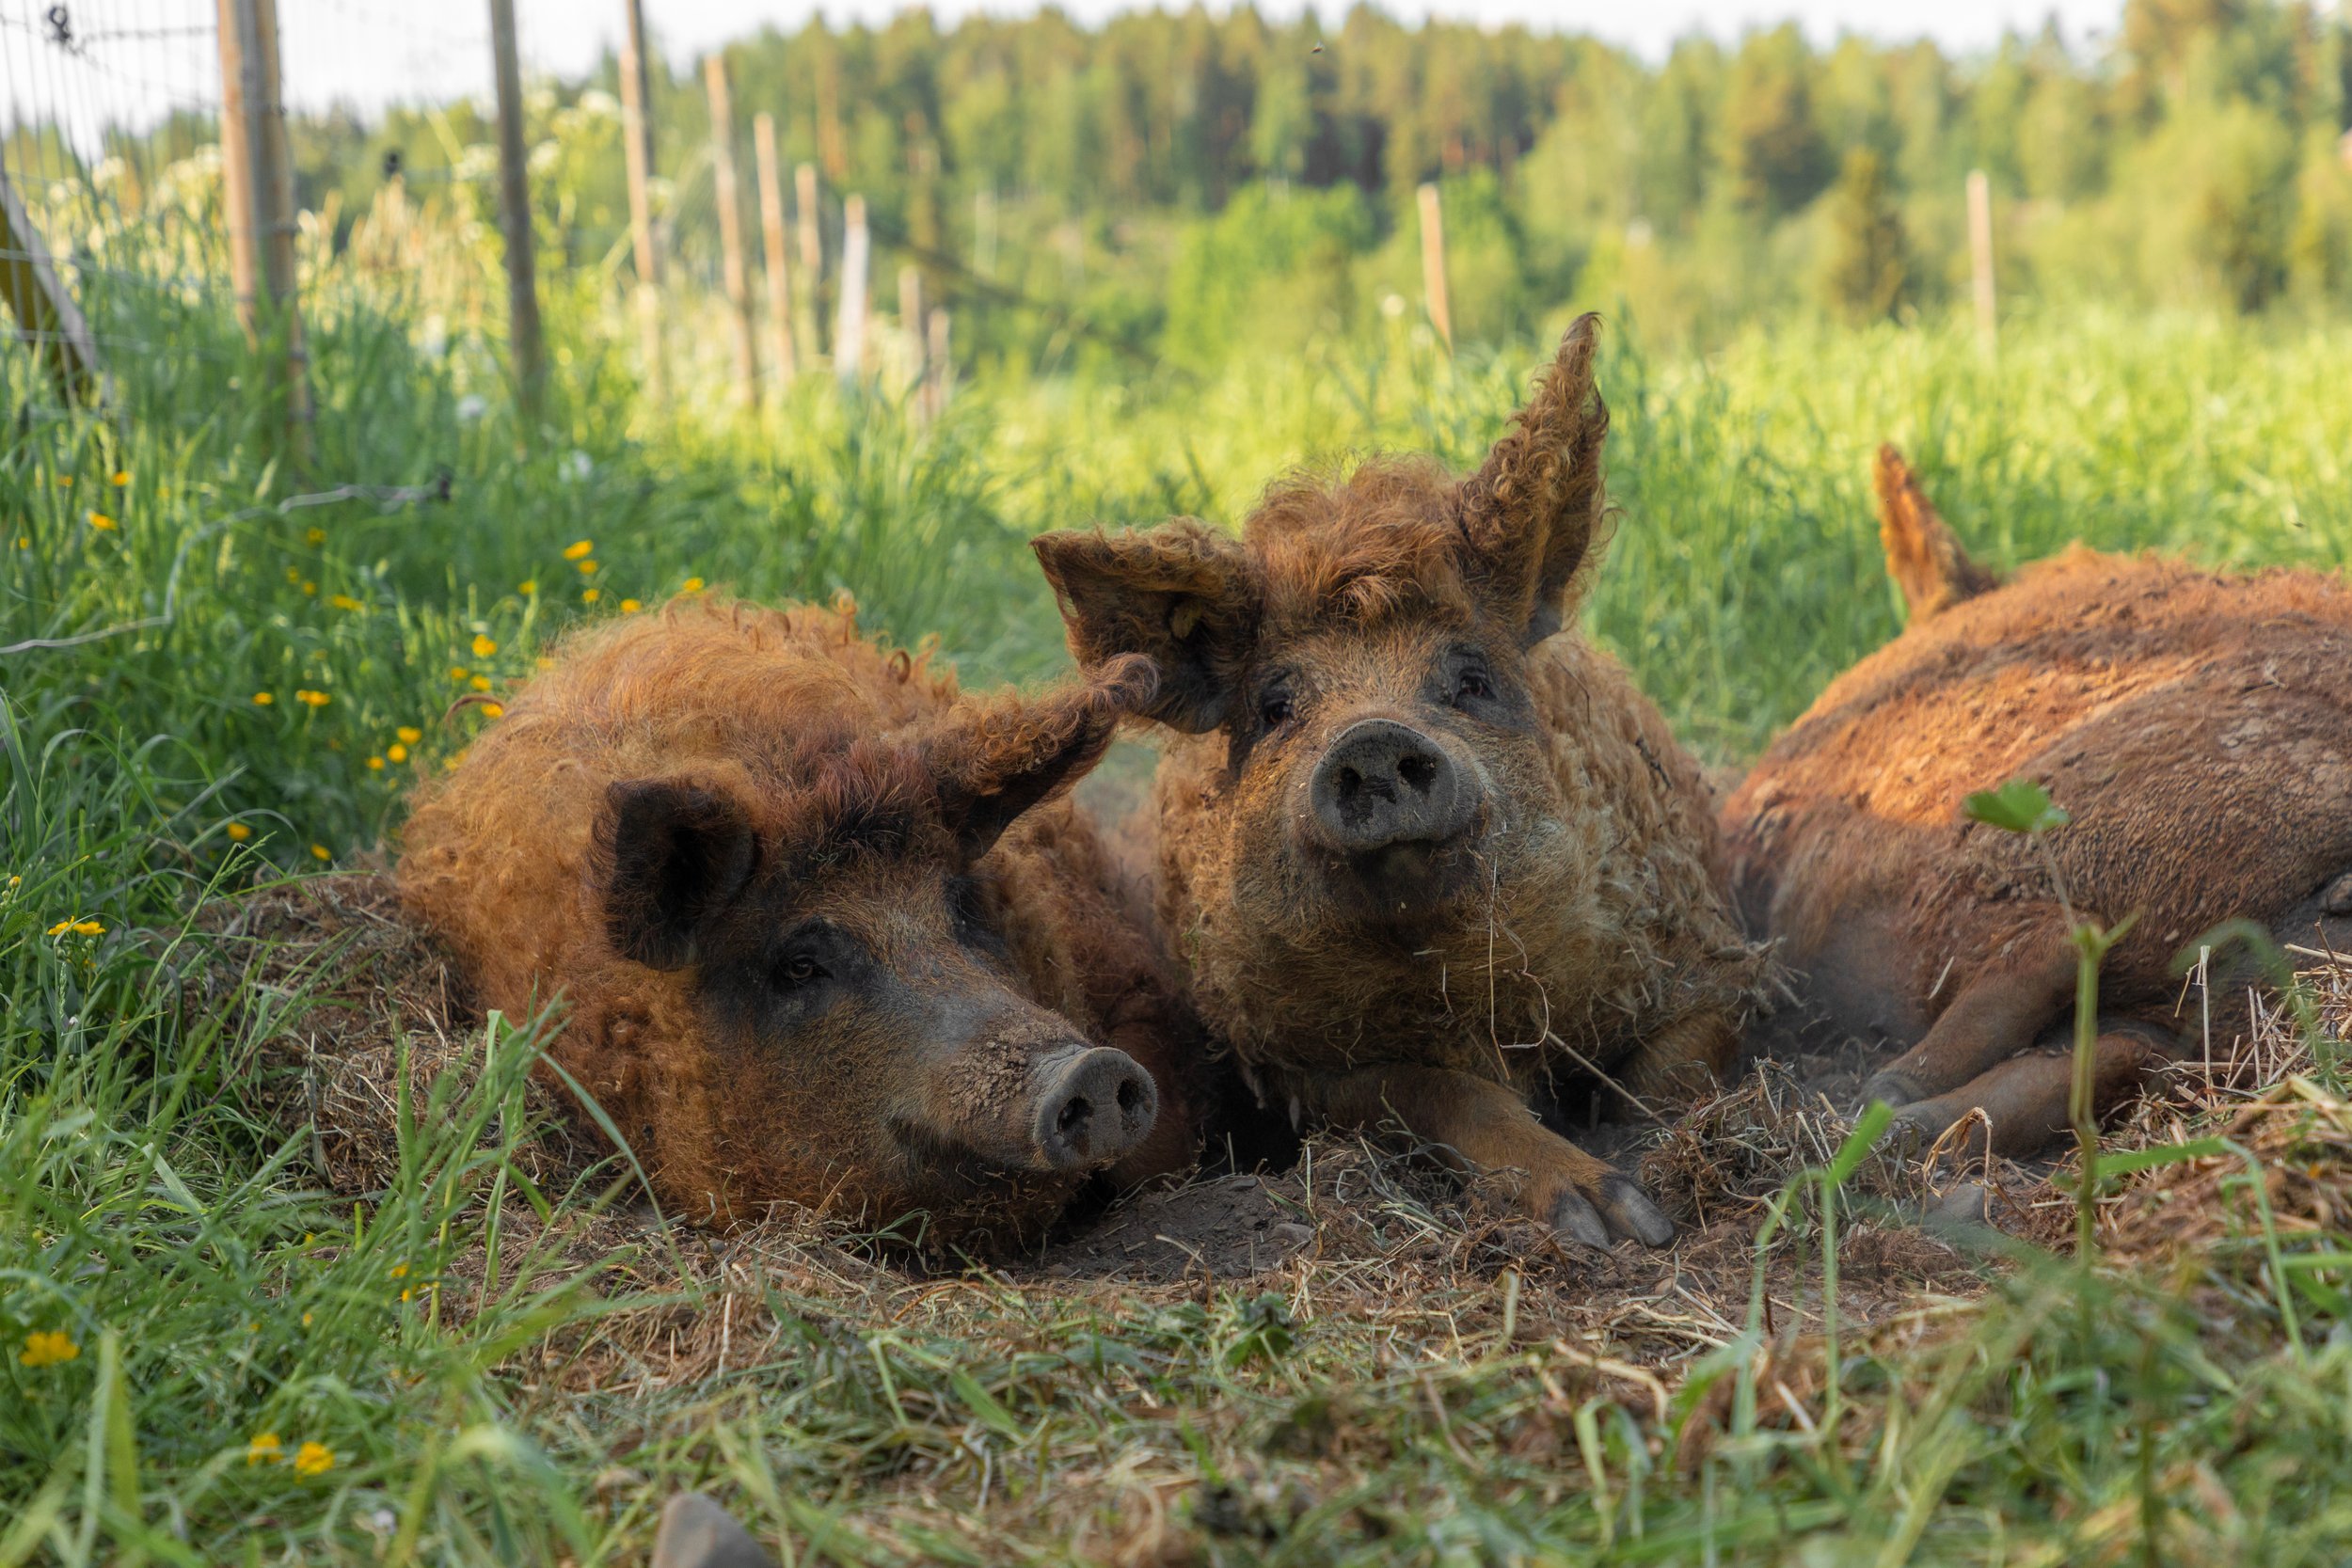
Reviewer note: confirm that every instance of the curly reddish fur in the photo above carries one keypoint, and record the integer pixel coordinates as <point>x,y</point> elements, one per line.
<point>857,766</point>
<point>2197,725</point>
<point>1590,935</point>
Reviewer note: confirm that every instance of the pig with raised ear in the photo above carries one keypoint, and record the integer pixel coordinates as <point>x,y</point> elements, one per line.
<point>823,930</point>
<point>1423,853</point>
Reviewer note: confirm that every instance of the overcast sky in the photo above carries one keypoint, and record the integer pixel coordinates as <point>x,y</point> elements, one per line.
<point>369,51</point>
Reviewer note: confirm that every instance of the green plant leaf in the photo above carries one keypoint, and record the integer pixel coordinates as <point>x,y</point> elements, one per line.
<point>2019,806</point>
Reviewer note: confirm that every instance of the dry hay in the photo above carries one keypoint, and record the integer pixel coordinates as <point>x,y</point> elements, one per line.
<point>1352,1230</point>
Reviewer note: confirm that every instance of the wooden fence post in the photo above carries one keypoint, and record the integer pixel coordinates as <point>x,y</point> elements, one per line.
<point>1981,258</point>
<point>939,380</point>
<point>736,274</point>
<point>1433,287</point>
<point>522,291</point>
<point>48,321</point>
<point>259,191</point>
<point>911,326</point>
<point>637,143</point>
<point>772,249</point>
<point>812,258</point>
<point>848,333</point>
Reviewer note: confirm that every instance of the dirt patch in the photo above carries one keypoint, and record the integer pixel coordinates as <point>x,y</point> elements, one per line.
<point>1226,1228</point>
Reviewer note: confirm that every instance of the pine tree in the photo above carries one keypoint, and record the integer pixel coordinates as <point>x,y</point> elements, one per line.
<point>1870,267</point>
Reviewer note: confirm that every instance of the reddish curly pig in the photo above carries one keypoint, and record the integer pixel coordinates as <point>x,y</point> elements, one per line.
<point>823,930</point>
<point>2197,725</point>
<point>1427,854</point>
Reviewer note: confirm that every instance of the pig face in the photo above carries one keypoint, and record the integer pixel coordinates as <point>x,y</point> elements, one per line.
<point>1361,650</point>
<point>860,1035</point>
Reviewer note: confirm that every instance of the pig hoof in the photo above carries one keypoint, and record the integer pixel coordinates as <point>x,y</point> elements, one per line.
<point>1629,1212</point>
<point>697,1533</point>
<point>1892,1087</point>
<point>1574,1216</point>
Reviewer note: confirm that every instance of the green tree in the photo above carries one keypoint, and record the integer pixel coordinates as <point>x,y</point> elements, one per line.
<point>1868,276</point>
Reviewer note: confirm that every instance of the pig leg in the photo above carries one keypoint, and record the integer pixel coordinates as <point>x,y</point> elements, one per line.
<point>2026,1097</point>
<point>1486,1128</point>
<point>1683,1060</point>
<point>2004,1008</point>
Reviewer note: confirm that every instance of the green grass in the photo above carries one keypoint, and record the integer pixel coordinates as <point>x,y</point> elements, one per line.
<point>155,1218</point>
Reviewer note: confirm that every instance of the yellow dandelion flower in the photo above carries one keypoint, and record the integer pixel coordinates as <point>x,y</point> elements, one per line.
<point>343,601</point>
<point>294,573</point>
<point>375,765</point>
<point>65,482</point>
<point>264,1448</point>
<point>493,710</point>
<point>400,1271</point>
<point>60,928</point>
<point>579,549</point>
<point>88,928</point>
<point>120,479</point>
<point>588,568</point>
<point>24,542</point>
<point>544,662</point>
<point>630,607</point>
<point>263,699</point>
<point>306,1320</point>
<point>47,1350</point>
<point>527,586</point>
<point>312,699</point>
<point>312,589</point>
<point>313,1459</point>
<point>479,683</point>
<point>693,585</point>
<point>482,646</point>
<point>410,735</point>
<point>590,596</point>
<point>239,832</point>
<point>458,671</point>
<point>320,852</point>
<point>102,523</point>
<point>315,536</point>
<point>397,752</point>
<point>405,1296</point>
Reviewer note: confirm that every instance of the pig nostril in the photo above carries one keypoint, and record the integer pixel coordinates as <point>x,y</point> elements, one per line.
<point>1419,770</point>
<point>1130,1098</point>
<point>1073,1115</point>
<point>1351,784</point>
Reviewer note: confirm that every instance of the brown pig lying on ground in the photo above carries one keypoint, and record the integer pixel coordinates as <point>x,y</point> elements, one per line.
<point>1426,853</point>
<point>823,930</point>
<point>2198,727</point>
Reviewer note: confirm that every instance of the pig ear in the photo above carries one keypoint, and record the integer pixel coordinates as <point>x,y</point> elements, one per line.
<point>674,854</point>
<point>1015,752</point>
<point>1532,515</point>
<point>1182,594</point>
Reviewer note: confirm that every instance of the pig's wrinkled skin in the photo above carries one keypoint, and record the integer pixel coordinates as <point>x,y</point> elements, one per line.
<point>1424,853</point>
<point>2197,726</point>
<point>824,932</point>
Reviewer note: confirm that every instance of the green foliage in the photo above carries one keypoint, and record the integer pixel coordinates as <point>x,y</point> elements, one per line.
<point>2019,806</point>
<point>1869,263</point>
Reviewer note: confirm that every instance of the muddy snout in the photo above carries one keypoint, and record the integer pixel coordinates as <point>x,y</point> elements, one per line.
<point>1383,784</point>
<point>1093,1106</point>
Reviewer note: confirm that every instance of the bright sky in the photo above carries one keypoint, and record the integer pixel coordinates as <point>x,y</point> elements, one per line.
<point>133,61</point>
<point>369,51</point>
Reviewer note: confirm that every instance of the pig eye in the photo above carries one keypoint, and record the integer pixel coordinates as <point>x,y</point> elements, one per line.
<point>798,972</point>
<point>1274,709</point>
<point>1473,684</point>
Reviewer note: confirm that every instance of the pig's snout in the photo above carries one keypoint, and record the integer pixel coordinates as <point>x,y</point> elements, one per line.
<point>1384,783</point>
<point>1092,1108</point>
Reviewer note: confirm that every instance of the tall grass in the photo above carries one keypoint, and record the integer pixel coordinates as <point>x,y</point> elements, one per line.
<point>181,1310</point>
